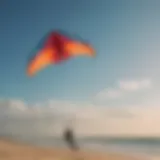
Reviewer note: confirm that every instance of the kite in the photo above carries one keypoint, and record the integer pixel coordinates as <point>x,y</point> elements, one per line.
<point>56,49</point>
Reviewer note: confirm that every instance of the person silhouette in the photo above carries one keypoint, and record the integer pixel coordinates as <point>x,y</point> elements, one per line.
<point>70,139</point>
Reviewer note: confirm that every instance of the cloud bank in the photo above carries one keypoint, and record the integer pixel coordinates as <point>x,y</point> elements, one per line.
<point>124,87</point>
<point>50,119</point>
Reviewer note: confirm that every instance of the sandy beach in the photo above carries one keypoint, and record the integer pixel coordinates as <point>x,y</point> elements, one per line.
<point>10,150</point>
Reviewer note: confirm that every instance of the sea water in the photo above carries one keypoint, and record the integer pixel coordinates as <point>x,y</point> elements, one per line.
<point>145,147</point>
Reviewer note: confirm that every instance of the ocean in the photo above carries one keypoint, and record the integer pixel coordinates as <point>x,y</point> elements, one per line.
<point>145,147</point>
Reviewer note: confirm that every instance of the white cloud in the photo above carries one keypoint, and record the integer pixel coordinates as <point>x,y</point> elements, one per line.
<point>109,93</point>
<point>87,119</point>
<point>124,87</point>
<point>134,85</point>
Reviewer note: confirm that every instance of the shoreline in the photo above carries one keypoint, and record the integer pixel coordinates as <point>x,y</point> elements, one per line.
<point>12,150</point>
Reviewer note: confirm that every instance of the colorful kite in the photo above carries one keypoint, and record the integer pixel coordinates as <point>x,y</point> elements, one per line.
<point>57,48</point>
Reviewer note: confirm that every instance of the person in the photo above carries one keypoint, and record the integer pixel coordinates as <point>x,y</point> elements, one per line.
<point>70,139</point>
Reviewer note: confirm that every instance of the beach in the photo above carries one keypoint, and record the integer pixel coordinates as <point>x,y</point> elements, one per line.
<point>10,150</point>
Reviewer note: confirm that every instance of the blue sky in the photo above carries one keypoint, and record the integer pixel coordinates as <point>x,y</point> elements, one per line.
<point>124,33</point>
